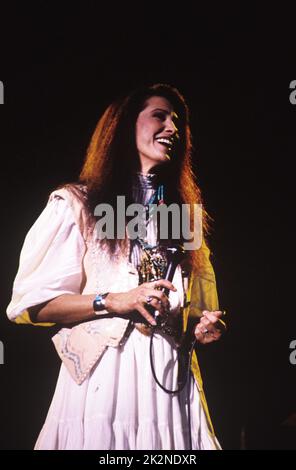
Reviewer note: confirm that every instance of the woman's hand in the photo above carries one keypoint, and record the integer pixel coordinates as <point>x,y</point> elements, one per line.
<point>210,327</point>
<point>136,299</point>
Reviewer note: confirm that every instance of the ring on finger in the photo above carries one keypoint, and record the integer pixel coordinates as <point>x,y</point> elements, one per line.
<point>205,331</point>
<point>148,299</point>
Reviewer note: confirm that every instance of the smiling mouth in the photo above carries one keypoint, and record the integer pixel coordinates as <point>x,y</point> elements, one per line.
<point>166,142</point>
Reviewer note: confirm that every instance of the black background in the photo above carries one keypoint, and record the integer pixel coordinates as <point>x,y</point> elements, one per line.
<point>61,66</point>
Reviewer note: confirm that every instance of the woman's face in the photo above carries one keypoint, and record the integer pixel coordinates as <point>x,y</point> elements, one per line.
<point>155,132</point>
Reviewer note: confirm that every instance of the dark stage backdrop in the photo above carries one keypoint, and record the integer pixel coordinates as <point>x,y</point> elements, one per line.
<point>60,69</point>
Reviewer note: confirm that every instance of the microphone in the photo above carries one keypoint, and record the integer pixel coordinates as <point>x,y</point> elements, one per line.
<point>175,254</point>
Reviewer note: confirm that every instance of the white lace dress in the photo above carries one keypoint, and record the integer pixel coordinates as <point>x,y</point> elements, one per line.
<point>119,406</point>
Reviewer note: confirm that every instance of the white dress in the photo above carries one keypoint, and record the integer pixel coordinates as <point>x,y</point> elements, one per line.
<point>119,406</point>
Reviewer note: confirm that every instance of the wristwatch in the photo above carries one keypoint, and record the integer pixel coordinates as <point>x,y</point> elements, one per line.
<point>99,303</point>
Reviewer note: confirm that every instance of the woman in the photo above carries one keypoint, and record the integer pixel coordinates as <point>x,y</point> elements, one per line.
<point>108,293</point>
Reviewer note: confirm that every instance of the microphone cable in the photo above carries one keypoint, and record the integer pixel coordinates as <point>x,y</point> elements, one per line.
<point>181,385</point>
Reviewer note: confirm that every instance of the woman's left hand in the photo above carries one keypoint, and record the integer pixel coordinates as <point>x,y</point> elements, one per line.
<point>210,327</point>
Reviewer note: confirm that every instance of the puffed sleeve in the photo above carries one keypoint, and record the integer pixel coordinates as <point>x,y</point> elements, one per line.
<point>50,261</point>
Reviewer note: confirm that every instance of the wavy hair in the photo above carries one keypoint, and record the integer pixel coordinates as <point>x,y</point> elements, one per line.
<point>112,160</point>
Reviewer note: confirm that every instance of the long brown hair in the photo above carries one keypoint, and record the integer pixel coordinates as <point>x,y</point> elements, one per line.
<point>112,159</point>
